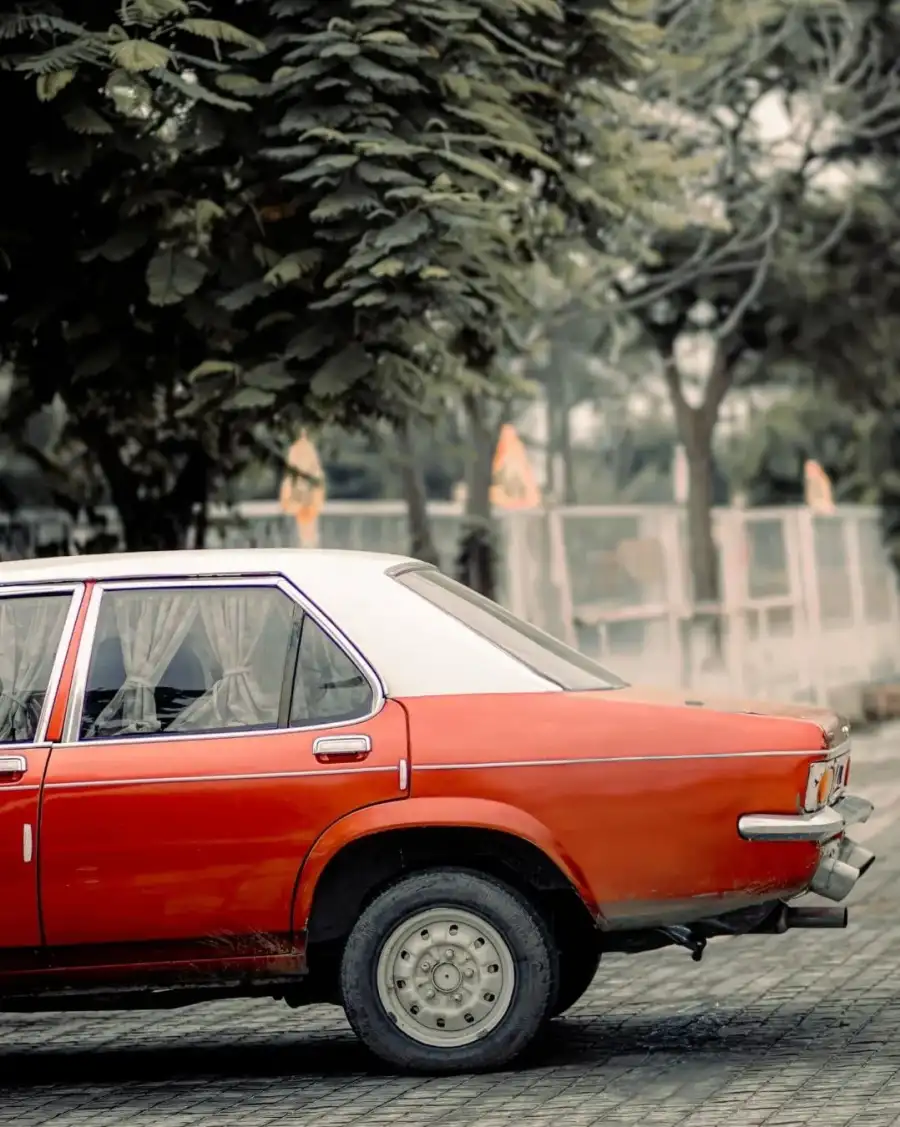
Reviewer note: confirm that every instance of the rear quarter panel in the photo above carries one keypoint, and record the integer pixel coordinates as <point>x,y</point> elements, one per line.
<point>645,798</point>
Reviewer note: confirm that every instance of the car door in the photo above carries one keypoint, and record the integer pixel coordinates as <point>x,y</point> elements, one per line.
<point>215,729</point>
<point>35,627</point>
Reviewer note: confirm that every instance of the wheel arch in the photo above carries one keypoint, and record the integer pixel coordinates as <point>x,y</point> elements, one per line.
<point>362,853</point>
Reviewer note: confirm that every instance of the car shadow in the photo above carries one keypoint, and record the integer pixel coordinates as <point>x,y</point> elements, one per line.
<point>580,1041</point>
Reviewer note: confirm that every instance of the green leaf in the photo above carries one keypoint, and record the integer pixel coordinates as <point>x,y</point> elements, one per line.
<point>270,376</point>
<point>244,295</point>
<point>139,55</point>
<point>172,276</point>
<point>49,85</point>
<point>240,84</point>
<point>309,343</point>
<point>344,50</point>
<point>249,399</point>
<point>342,202</point>
<point>340,372</point>
<point>385,78</point>
<point>213,368</point>
<point>219,30</point>
<point>120,247</point>
<point>388,268</point>
<point>300,264</point>
<point>404,232</point>
<point>86,121</point>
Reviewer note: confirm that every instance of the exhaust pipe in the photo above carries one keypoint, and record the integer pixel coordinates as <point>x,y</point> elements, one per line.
<point>783,918</point>
<point>815,917</point>
<point>834,878</point>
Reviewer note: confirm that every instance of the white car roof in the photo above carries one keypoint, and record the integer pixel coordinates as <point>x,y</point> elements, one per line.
<point>415,648</point>
<point>295,562</point>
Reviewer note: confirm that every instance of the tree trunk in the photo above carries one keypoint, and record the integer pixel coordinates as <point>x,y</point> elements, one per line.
<point>154,527</point>
<point>477,562</point>
<point>559,468</point>
<point>703,556</point>
<point>696,426</point>
<point>421,539</point>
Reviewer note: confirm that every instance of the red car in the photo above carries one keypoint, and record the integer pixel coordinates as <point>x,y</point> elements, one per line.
<point>342,777</point>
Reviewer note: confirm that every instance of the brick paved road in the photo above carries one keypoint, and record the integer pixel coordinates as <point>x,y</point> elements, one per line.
<point>803,1028</point>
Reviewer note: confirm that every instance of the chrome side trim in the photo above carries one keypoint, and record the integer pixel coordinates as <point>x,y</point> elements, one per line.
<point>59,661</point>
<point>821,826</point>
<point>403,775</point>
<point>18,788</point>
<point>277,581</point>
<point>250,777</point>
<point>592,760</point>
<point>27,843</point>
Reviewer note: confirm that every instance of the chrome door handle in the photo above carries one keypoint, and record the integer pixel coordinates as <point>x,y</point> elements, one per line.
<point>341,746</point>
<point>12,766</point>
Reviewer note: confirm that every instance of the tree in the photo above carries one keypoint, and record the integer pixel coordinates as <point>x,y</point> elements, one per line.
<point>114,187</point>
<point>318,252</point>
<point>720,281</point>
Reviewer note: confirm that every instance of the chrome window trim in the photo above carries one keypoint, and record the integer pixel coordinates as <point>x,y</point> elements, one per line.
<point>75,591</point>
<point>274,581</point>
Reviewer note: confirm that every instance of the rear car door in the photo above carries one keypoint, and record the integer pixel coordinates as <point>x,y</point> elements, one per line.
<point>35,627</point>
<point>215,729</point>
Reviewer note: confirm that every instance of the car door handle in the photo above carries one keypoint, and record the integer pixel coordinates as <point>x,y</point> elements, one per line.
<point>12,766</point>
<point>342,747</point>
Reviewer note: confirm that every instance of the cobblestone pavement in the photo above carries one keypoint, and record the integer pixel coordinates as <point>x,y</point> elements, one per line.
<point>803,1028</point>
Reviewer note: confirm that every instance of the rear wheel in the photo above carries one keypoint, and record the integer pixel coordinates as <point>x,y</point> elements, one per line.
<point>448,971</point>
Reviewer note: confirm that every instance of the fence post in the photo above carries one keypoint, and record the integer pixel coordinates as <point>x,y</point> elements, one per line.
<point>733,601</point>
<point>812,604</point>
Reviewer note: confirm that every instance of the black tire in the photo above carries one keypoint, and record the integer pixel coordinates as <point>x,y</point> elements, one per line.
<point>517,923</point>
<point>577,969</point>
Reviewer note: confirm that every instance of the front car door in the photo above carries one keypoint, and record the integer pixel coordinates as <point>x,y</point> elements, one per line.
<point>215,729</point>
<point>36,624</point>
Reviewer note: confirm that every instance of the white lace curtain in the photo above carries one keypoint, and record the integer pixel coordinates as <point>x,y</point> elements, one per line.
<point>30,633</point>
<point>152,625</point>
<point>328,684</point>
<point>235,621</point>
<point>240,636</point>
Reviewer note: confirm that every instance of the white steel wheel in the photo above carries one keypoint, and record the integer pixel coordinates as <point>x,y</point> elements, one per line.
<point>448,971</point>
<point>446,977</point>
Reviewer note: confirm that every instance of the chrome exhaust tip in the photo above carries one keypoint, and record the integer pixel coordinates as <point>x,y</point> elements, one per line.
<point>856,856</point>
<point>834,879</point>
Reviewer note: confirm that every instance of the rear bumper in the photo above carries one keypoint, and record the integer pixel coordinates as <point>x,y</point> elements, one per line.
<point>822,826</point>
<point>842,861</point>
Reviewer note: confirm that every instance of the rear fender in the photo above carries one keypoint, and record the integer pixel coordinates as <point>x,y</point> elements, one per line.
<point>422,814</point>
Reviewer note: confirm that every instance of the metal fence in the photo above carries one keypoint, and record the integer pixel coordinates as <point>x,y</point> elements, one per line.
<point>808,603</point>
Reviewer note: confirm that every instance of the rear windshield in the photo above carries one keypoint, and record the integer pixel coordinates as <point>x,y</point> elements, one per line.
<point>542,653</point>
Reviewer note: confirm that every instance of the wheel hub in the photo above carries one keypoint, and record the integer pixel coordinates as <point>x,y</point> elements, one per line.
<point>446,977</point>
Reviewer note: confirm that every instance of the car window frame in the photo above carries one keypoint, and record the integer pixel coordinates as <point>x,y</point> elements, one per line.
<point>270,580</point>
<point>75,591</point>
<point>611,682</point>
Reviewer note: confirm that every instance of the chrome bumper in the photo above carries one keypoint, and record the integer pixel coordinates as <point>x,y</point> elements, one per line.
<point>821,826</point>
<point>842,863</point>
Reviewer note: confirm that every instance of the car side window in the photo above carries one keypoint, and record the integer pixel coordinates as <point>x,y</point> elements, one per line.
<point>31,628</point>
<point>329,687</point>
<point>188,660</point>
